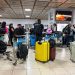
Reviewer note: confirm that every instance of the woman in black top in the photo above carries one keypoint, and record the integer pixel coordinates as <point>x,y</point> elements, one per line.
<point>11,33</point>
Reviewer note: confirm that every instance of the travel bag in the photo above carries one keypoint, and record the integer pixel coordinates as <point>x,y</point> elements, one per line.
<point>52,49</point>
<point>42,51</point>
<point>32,40</point>
<point>22,52</point>
<point>72,51</point>
<point>2,31</point>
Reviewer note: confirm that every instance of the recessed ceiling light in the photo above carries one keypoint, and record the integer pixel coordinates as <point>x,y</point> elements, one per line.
<point>44,0</point>
<point>0,15</point>
<point>27,16</point>
<point>27,9</point>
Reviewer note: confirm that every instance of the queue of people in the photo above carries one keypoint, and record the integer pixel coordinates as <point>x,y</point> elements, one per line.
<point>68,32</point>
<point>17,36</point>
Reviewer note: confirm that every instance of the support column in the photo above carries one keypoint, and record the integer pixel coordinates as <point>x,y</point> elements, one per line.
<point>51,16</point>
<point>73,19</point>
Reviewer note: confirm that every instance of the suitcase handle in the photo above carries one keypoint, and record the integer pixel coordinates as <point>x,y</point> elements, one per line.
<point>39,42</point>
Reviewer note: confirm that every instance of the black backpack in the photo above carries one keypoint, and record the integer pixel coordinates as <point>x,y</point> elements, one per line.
<point>66,30</point>
<point>2,30</point>
<point>3,47</point>
<point>22,52</point>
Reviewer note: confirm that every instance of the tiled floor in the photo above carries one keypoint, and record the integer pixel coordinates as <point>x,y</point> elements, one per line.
<point>61,66</point>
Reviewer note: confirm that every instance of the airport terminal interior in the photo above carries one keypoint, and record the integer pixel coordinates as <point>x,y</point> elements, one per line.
<point>37,37</point>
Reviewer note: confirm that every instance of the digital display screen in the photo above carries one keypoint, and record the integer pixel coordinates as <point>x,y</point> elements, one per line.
<point>63,15</point>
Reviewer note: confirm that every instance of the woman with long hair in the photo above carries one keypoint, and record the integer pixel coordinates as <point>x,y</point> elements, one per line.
<point>11,33</point>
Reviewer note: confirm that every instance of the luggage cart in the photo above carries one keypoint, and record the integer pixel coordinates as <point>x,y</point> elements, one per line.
<point>20,39</point>
<point>4,52</point>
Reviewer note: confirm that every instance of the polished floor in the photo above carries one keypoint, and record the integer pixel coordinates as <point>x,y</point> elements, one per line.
<point>61,66</point>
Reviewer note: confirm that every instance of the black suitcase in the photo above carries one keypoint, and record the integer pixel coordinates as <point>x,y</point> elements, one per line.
<point>22,52</point>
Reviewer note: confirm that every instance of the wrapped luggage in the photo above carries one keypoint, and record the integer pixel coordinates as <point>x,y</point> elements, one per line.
<point>32,40</point>
<point>72,51</point>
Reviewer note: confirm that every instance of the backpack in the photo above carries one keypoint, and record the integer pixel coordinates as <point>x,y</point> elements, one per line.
<point>66,30</point>
<point>2,30</point>
<point>22,52</point>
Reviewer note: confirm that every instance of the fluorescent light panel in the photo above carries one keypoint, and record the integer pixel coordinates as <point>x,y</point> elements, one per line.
<point>0,15</point>
<point>27,9</point>
<point>27,16</point>
<point>44,0</point>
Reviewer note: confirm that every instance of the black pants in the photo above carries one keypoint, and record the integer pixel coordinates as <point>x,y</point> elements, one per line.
<point>66,40</point>
<point>38,37</point>
<point>10,39</point>
<point>71,38</point>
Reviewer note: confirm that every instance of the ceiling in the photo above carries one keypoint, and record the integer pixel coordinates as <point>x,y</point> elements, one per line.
<point>15,9</point>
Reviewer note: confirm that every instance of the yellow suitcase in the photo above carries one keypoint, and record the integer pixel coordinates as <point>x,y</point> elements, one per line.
<point>42,51</point>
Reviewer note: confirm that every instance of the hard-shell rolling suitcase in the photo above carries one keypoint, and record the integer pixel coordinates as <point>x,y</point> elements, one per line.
<point>42,51</point>
<point>32,40</point>
<point>72,51</point>
<point>52,49</point>
<point>22,52</point>
<point>52,54</point>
